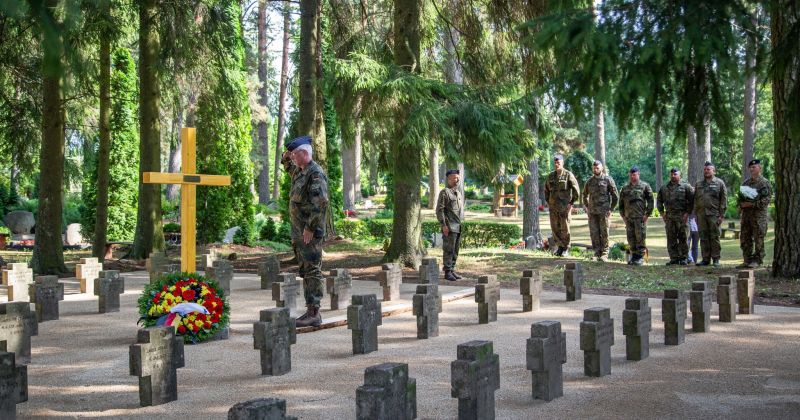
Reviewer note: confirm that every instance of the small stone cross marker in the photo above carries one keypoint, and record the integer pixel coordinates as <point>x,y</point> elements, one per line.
<point>673,313</point>
<point>546,353</point>
<point>17,326</point>
<point>700,304</point>
<point>726,297</point>
<point>573,280</point>
<point>18,278</point>
<point>745,290</point>
<point>390,277</point>
<point>45,292</point>
<point>530,287</point>
<point>108,287</point>
<point>268,270</point>
<point>474,378</point>
<point>487,293</point>
<point>285,292</point>
<point>274,335</point>
<point>86,271</point>
<point>339,286</point>
<point>363,317</point>
<point>597,337</point>
<point>387,394</point>
<point>426,308</point>
<point>636,325</point>
<point>155,358</point>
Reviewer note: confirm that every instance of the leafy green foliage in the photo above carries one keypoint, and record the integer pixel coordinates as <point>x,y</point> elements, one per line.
<point>473,234</point>
<point>268,231</point>
<point>580,164</point>
<point>172,227</point>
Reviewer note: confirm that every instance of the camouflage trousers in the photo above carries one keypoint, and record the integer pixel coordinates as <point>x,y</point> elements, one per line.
<point>636,231</point>
<point>450,246</point>
<point>309,258</point>
<point>708,226</point>
<point>677,238</point>
<point>751,238</point>
<point>559,225</point>
<point>598,230</point>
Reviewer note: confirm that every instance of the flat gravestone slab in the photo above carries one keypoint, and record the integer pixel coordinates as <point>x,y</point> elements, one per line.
<point>429,271</point>
<point>17,326</point>
<point>268,271</point>
<point>363,317</point>
<point>45,293</point>
<point>474,378</point>
<point>545,355</point>
<point>636,326</point>
<point>155,358</point>
<point>673,313</point>
<point>597,337</point>
<point>390,278</point>
<point>387,394</point>
<point>260,409</point>
<point>745,291</point>
<point>700,304</point>
<point>286,291</point>
<point>573,281</point>
<point>726,298</point>
<point>425,306</point>
<point>274,334</point>
<point>487,293</point>
<point>530,287</point>
<point>221,271</point>
<point>108,287</point>
<point>13,385</point>
<point>339,285</point>
<point>18,277</point>
<point>86,271</point>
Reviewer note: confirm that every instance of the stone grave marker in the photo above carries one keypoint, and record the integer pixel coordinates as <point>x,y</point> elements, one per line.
<point>387,394</point>
<point>726,298</point>
<point>285,292</point>
<point>156,265</point>
<point>207,259</point>
<point>86,271</point>
<point>429,271</point>
<point>426,308</point>
<point>222,272</point>
<point>545,355</point>
<point>745,291</point>
<point>597,337</point>
<point>573,280</point>
<point>45,292</point>
<point>260,409</point>
<point>339,285</point>
<point>108,287</point>
<point>487,293</point>
<point>17,326</point>
<point>274,335</point>
<point>363,317</point>
<point>18,277</point>
<point>13,385</point>
<point>155,358</point>
<point>636,326</point>
<point>530,287</point>
<point>390,278</point>
<point>268,270</point>
<point>673,313</point>
<point>474,378</point>
<point>700,304</point>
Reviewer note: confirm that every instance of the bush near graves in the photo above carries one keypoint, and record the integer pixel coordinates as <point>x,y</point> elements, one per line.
<point>268,231</point>
<point>172,227</point>
<point>473,234</point>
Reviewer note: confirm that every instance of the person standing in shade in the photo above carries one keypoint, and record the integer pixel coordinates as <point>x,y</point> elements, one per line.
<point>635,207</point>
<point>292,170</point>
<point>694,238</point>
<point>600,198</point>
<point>710,203</point>
<point>755,218</point>
<point>675,201</point>
<point>448,212</point>
<point>560,191</point>
<point>308,204</point>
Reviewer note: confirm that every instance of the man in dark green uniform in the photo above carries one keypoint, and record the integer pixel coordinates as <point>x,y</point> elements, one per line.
<point>755,217</point>
<point>600,198</point>
<point>710,203</point>
<point>635,207</point>
<point>560,191</point>
<point>448,212</point>
<point>675,202</point>
<point>308,203</point>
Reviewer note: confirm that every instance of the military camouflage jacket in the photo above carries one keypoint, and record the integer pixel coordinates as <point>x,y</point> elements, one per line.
<point>448,209</point>
<point>710,197</point>
<point>764,193</point>
<point>600,194</point>
<point>636,200</point>
<point>561,190</point>
<point>675,199</point>
<point>308,200</point>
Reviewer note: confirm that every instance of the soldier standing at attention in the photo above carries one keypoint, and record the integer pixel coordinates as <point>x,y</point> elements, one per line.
<point>675,202</point>
<point>710,203</point>
<point>635,206</point>
<point>560,191</point>
<point>755,218</point>
<point>600,198</point>
<point>308,203</point>
<point>448,212</point>
<point>290,168</point>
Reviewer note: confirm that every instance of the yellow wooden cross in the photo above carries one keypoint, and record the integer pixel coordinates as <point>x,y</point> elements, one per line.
<point>188,180</point>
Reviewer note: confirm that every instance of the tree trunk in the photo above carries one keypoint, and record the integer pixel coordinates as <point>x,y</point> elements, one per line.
<point>692,156</point>
<point>454,73</point>
<point>348,173</point>
<point>750,101</point>
<point>785,79</point>
<point>706,151</point>
<point>531,232</point>
<point>104,149</point>
<point>48,250</point>
<point>149,235</point>
<point>406,244</point>
<point>659,165</point>
<point>263,136</point>
<point>287,19</point>
<point>599,133</point>
<point>357,162</point>
<point>320,138</point>
<point>174,161</point>
<point>307,68</point>
<point>372,159</point>
<point>433,176</point>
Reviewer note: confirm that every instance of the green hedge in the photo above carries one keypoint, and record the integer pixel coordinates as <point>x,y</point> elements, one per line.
<point>473,234</point>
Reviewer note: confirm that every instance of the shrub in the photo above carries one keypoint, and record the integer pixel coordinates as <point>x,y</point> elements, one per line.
<point>268,231</point>
<point>367,191</point>
<point>488,234</point>
<point>244,236</point>
<point>732,212</point>
<point>284,234</point>
<point>352,228</point>
<point>384,214</point>
<point>379,228</point>
<point>479,207</point>
<point>617,252</point>
<point>172,228</point>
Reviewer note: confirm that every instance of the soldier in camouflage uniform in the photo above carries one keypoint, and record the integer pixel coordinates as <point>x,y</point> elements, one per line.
<point>448,212</point>
<point>675,201</point>
<point>710,203</point>
<point>560,191</point>
<point>600,198</point>
<point>308,203</point>
<point>635,207</point>
<point>292,170</point>
<point>755,218</point>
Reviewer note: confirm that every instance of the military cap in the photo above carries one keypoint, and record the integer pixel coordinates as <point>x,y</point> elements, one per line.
<point>634,169</point>
<point>708,163</point>
<point>299,141</point>
<point>452,172</point>
<point>754,162</point>
<point>675,170</point>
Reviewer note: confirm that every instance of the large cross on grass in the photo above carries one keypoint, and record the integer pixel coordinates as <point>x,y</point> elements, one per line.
<point>188,179</point>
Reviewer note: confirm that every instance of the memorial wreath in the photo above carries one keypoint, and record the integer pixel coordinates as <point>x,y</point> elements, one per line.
<point>194,305</point>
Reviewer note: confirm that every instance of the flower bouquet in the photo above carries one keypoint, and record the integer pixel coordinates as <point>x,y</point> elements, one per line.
<point>747,194</point>
<point>194,305</point>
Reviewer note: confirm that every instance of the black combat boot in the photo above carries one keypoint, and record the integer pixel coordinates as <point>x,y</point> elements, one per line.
<point>312,317</point>
<point>456,275</point>
<point>703,263</point>
<point>448,275</point>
